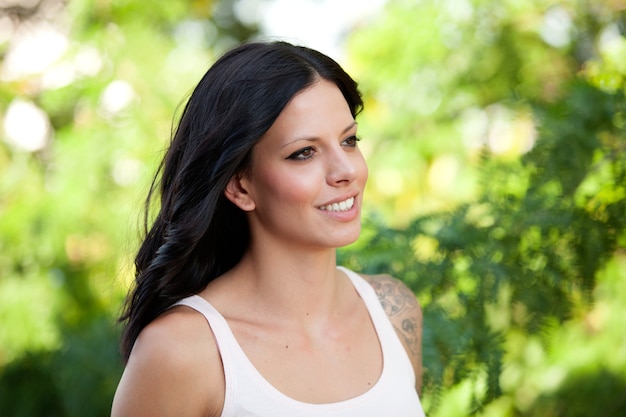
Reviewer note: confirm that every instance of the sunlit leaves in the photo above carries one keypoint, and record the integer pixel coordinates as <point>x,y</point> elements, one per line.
<point>533,111</point>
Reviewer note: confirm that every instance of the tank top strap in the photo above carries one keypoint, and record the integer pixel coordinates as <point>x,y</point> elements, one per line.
<point>226,344</point>
<point>214,318</point>
<point>394,352</point>
<point>248,393</point>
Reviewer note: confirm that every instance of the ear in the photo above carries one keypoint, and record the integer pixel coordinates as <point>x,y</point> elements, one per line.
<point>237,192</point>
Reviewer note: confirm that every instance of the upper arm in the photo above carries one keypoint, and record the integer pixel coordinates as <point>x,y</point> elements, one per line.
<point>174,369</point>
<point>405,315</point>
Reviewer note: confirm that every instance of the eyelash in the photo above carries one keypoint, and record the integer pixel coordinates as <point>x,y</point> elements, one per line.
<point>298,155</point>
<point>354,138</point>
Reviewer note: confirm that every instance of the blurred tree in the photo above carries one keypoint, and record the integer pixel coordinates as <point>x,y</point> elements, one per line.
<point>511,115</point>
<point>495,137</point>
<point>86,95</point>
<point>446,79</point>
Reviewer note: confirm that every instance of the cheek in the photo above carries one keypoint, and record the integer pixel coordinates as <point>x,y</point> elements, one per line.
<point>363,170</point>
<point>366,172</point>
<point>287,187</point>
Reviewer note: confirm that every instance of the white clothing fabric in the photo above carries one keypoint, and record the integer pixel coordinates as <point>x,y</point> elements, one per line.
<point>249,394</point>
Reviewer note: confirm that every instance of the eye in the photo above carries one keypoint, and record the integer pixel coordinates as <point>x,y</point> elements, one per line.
<point>351,141</point>
<point>302,154</point>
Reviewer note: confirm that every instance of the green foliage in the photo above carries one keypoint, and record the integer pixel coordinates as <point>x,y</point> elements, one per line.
<point>510,270</point>
<point>70,205</point>
<point>68,382</point>
<point>513,261</point>
<point>572,398</point>
<point>495,137</point>
<point>24,381</point>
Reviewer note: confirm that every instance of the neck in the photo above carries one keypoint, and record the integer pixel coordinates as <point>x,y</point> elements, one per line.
<point>299,284</point>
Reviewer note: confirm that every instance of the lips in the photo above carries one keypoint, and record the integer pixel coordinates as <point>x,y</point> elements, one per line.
<point>339,206</point>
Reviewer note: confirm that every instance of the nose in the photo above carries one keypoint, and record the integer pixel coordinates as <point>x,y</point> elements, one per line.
<point>343,166</point>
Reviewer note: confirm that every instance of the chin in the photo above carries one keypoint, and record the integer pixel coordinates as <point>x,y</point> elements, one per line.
<point>348,239</point>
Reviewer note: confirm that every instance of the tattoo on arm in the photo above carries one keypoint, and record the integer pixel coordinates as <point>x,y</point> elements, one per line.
<point>400,305</point>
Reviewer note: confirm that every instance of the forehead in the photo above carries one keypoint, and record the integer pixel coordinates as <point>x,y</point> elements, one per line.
<point>316,111</point>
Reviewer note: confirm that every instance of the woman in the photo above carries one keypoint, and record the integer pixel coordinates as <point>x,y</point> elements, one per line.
<point>239,308</point>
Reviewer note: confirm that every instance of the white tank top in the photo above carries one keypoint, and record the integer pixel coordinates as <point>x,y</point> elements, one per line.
<point>249,394</point>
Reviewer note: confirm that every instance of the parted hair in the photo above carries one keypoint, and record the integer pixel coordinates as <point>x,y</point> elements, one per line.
<point>198,234</point>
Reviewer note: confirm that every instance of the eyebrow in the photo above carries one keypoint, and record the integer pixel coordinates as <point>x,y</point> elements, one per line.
<point>313,138</point>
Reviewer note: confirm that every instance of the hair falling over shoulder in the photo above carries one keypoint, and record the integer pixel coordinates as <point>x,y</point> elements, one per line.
<point>198,234</point>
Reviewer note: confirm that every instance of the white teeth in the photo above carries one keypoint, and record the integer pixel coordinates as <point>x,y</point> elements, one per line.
<point>342,206</point>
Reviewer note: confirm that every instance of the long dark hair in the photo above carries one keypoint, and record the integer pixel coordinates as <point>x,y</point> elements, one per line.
<point>199,234</point>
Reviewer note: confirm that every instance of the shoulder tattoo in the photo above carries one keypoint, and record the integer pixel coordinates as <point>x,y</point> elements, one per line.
<point>401,307</point>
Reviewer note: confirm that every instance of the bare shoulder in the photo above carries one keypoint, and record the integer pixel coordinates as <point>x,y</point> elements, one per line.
<point>395,297</point>
<point>405,314</point>
<point>400,304</point>
<point>174,369</point>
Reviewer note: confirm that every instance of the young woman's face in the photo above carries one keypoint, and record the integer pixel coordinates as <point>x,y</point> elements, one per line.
<point>307,174</point>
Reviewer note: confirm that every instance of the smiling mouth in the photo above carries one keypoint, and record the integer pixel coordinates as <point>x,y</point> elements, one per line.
<point>341,206</point>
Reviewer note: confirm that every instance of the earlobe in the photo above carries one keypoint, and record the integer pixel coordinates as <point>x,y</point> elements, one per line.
<point>237,193</point>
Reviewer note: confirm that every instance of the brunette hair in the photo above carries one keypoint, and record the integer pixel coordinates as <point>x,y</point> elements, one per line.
<point>198,234</point>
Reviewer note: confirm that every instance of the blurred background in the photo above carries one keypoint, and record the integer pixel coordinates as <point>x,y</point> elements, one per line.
<point>495,135</point>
